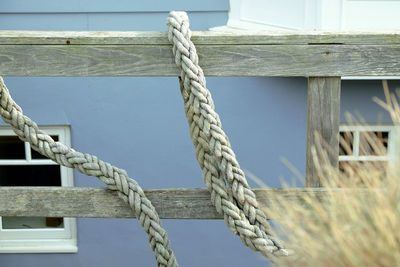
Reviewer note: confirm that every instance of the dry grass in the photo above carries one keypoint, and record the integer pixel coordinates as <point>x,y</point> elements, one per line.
<point>350,227</point>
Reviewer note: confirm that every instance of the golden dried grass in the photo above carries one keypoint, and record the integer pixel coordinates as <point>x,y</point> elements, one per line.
<point>351,226</point>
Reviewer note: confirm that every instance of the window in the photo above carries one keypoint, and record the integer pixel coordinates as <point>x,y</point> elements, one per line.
<point>360,144</point>
<point>22,166</point>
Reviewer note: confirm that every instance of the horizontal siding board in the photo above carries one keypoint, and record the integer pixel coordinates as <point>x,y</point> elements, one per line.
<point>83,6</point>
<point>216,60</point>
<point>90,202</point>
<point>200,37</point>
<point>127,21</point>
<point>54,22</point>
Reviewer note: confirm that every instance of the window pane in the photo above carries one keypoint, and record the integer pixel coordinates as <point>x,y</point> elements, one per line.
<point>373,143</point>
<point>346,143</point>
<point>11,148</point>
<point>37,155</point>
<point>31,175</point>
<point>31,222</point>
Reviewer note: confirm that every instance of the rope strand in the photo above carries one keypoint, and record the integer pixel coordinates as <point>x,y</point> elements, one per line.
<point>115,178</point>
<point>213,151</point>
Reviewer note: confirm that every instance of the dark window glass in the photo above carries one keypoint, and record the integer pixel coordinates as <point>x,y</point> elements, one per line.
<point>11,148</point>
<point>30,175</point>
<point>37,155</point>
<point>346,143</point>
<point>31,222</point>
<point>373,143</point>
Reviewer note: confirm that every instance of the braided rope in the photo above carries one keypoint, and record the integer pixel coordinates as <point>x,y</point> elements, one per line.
<point>113,177</point>
<point>213,151</point>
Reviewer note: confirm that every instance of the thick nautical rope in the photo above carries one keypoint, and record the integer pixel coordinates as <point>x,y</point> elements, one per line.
<point>113,177</point>
<point>213,151</point>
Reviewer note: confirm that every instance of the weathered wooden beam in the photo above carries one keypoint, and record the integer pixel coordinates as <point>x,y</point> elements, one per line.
<point>236,37</point>
<point>216,60</point>
<point>90,202</point>
<point>323,120</point>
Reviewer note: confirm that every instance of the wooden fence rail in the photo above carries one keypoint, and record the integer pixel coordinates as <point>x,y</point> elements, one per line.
<point>323,57</point>
<point>100,202</point>
<point>221,54</point>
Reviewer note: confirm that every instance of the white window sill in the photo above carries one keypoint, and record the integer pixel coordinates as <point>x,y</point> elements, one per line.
<point>22,247</point>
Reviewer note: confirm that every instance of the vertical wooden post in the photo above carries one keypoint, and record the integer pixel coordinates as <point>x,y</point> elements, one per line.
<point>323,118</point>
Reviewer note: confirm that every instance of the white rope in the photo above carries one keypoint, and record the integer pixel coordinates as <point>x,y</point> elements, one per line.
<point>213,151</point>
<point>113,177</point>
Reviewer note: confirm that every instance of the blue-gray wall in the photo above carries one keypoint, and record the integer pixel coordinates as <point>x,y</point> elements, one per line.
<point>138,124</point>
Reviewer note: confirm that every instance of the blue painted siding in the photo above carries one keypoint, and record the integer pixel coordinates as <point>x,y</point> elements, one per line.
<point>130,21</point>
<point>87,6</point>
<point>264,117</point>
<point>357,98</point>
<point>147,114</point>
<point>138,123</point>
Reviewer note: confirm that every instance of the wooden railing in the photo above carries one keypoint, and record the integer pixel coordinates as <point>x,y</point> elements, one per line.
<point>322,57</point>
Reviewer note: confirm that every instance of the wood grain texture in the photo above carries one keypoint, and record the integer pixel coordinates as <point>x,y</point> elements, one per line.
<point>90,202</point>
<point>216,60</point>
<point>235,37</point>
<point>323,117</point>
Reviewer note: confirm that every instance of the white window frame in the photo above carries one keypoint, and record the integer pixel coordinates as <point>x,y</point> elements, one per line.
<point>392,147</point>
<point>41,240</point>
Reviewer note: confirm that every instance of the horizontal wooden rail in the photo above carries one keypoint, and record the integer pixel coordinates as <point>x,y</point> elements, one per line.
<point>198,37</point>
<point>90,202</point>
<point>221,54</point>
